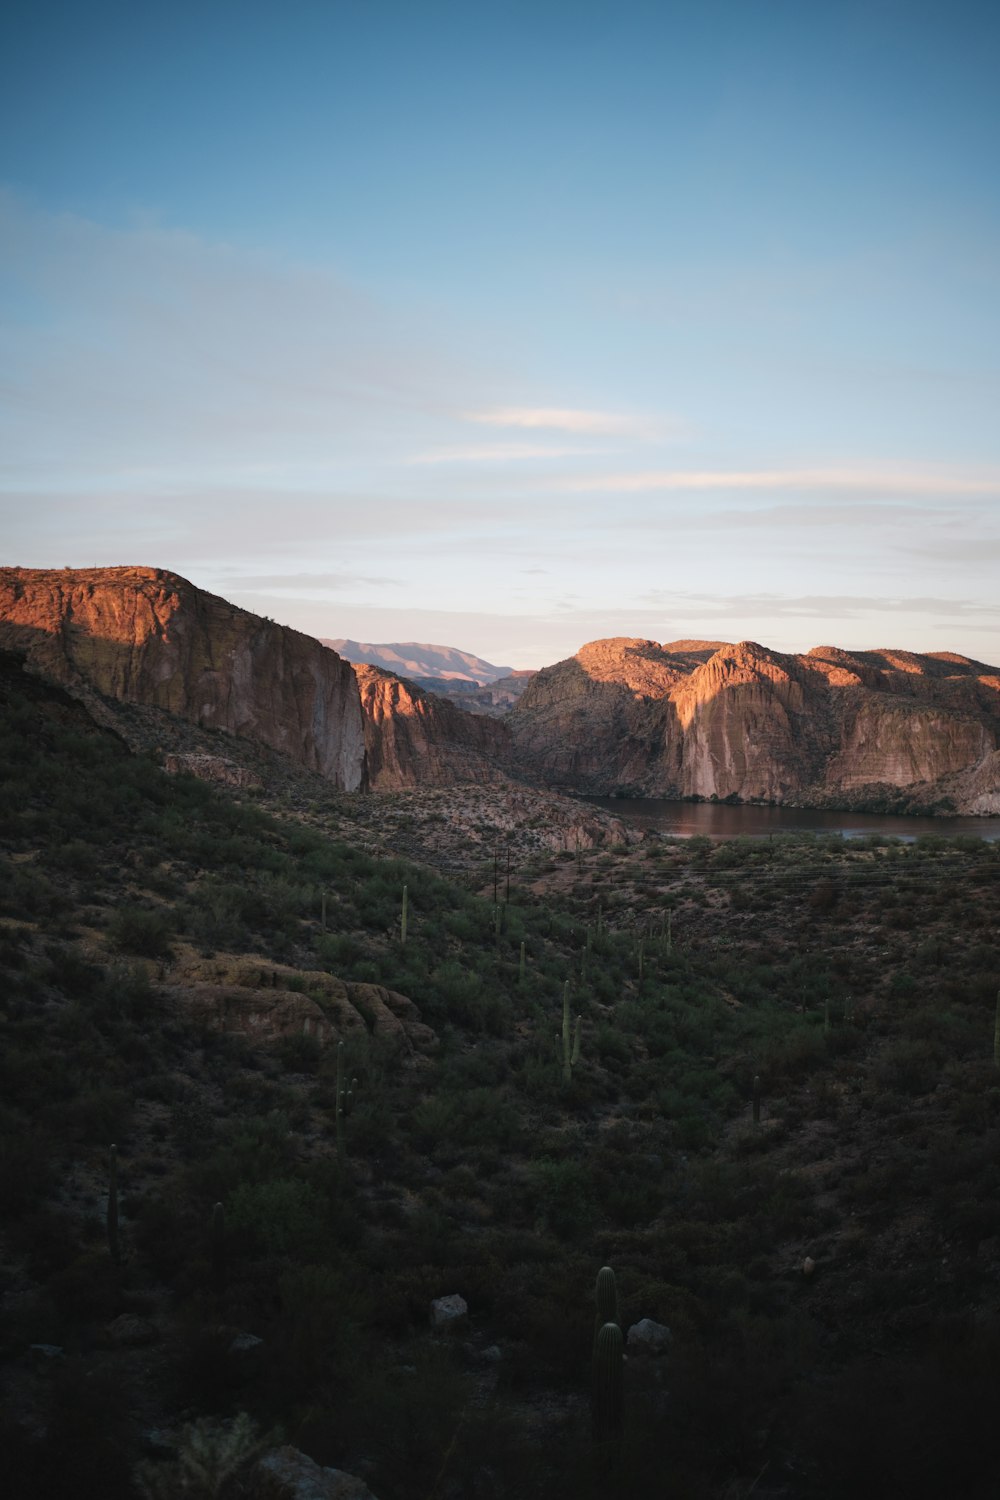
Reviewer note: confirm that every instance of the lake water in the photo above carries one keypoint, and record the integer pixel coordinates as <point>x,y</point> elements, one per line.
<point>717,820</point>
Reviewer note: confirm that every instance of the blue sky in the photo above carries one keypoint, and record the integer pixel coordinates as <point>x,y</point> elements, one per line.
<point>510,326</point>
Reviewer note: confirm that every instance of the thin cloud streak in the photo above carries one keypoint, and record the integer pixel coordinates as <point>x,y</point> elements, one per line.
<point>570,419</point>
<point>295,582</point>
<point>819,606</point>
<point>500,453</point>
<point>870,480</point>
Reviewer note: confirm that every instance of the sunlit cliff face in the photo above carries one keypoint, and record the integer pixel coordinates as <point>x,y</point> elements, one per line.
<point>687,718</point>
<point>697,718</point>
<point>147,636</point>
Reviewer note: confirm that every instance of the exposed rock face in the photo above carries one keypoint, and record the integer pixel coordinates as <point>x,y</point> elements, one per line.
<point>700,718</point>
<point>253,997</point>
<point>212,768</point>
<point>416,738</point>
<point>144,635</point>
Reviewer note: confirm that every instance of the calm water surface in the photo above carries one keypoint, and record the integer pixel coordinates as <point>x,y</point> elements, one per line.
<point>719,821</point>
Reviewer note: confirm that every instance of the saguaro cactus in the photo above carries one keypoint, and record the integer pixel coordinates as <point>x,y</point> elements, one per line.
<point>340,1100</point>
<point>756,1099</point>
<point>607,1384</point>
<point>605,1299</point>
<point>114,1244</point>
<point>521,966</point>
<point>219,1246</point>
<point>570,1040</point>
<point>402,920</point>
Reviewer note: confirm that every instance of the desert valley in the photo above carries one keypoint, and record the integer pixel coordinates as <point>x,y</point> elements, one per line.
<point>344,1045</point>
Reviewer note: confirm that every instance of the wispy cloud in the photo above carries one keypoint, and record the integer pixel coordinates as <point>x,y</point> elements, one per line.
<point>817,606</point>
<point>143,350</point>
<point>969,549</point>
<point>570,419</point>
<point>498,453</point>
<point>872,481</point>
<point>311,582</point>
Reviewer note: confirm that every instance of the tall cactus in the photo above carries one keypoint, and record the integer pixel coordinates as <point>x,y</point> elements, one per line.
<point>114,1243</point>
<point>605,1300</point>
<point>339,1099</point>
<point>756,1099</point>
<point>607,1387</point>
<point>402,920</point>
<point>219,1247</point>
<point>570,1040</point>
<point>521,966</point>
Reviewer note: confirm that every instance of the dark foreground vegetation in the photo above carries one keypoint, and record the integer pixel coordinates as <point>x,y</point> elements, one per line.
<point>830,1273</point>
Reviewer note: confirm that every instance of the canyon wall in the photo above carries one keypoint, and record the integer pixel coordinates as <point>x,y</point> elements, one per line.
<point>147,636</point>
<point>687,718</point>
<point>708,719</point>
<point>415,738</point>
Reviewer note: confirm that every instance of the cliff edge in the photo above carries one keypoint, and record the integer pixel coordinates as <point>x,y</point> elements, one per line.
<point>714,720</point>
<point>147,636</point>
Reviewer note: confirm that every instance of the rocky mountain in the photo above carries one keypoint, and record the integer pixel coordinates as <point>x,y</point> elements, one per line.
<point>146,636</point>
<point>415,738</point>
<point>879,729</point>
<point>420,662</point>
<point>709,719</point>
<point>494,698</point>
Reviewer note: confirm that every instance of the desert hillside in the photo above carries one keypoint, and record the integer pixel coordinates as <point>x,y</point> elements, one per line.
<point>311,1152</point>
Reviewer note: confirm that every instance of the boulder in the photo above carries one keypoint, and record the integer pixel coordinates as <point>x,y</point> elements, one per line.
<point>130,1332</point>
<point>448,1312</point>
<point>287,1474</point>
<point>647,1337</point>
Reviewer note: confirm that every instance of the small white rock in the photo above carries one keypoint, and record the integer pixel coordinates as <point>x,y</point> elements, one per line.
<point>246,1343</point>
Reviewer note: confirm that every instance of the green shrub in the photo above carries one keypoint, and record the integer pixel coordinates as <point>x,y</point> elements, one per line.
<point>140,930</point>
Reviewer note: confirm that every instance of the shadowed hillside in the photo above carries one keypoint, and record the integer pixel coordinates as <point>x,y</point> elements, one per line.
<point>181,962</point>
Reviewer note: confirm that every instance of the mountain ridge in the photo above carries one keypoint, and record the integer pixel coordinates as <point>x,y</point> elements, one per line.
<point>886,729</point>
<point>419,661</point>
<point>745,722</point>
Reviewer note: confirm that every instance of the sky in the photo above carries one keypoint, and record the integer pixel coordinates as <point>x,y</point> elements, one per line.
<point>508,326</point>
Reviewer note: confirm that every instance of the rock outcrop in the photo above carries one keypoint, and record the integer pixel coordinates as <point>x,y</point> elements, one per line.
<point>266,1002</point>
<point>415,738</point>
<point>147,636</point>
<point>706,719</point>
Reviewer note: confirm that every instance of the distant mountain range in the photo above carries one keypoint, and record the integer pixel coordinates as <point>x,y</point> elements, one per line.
<point>421,662</point>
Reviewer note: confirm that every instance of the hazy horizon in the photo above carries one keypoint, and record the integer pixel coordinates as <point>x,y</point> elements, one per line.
<point>509,331</point>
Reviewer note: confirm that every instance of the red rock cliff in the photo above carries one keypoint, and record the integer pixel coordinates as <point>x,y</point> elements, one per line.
<point>144,635</point>
<point>415,738</point>
<point>709,719</point>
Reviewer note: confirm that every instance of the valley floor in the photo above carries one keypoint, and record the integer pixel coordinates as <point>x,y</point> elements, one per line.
<point>829,1274</point>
